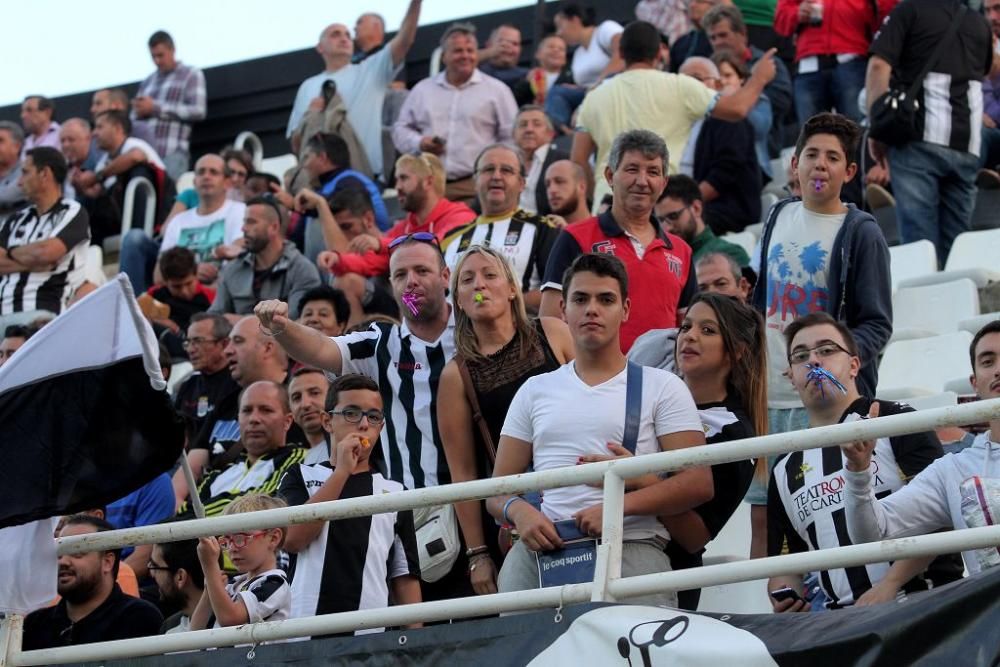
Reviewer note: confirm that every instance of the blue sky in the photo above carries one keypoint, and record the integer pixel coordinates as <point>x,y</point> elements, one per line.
<point>89,45</point>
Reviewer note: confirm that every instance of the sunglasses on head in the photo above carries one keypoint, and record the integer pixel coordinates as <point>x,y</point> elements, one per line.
<point>420,237</point>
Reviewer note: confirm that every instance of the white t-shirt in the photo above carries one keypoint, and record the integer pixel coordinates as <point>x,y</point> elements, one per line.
<point>590,60</point>
<point>202,233</point>
<point>564,419</point>
<point>798,266</point>
<point>528,201</point>
<point>131,143</point>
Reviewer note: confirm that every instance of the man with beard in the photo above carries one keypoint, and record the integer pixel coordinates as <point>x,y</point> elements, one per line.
<point>566,190</point>
<point>93,608</point>
<point>271,267</point>
<point>680,211</point>
<point>178,575</point>
<point>307,398</point>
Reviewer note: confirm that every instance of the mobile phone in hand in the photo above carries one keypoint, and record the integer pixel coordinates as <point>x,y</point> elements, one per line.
<point>785,593</point>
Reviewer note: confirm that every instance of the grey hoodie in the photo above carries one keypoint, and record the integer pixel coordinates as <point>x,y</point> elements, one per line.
<point>931,501</point>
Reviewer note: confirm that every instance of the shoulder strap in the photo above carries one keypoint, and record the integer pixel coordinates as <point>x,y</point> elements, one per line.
<point>633,405</point>
<point>938,52</point>
<point>477,413</point>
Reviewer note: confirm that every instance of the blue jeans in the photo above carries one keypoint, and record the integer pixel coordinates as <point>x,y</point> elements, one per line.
<point>138,258</point>
<point>989,152</point>
<point>561,102</point>
<point>832,88</point>
<point>935,193</point>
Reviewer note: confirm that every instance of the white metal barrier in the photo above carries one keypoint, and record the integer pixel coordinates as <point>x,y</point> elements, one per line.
<point>608,585</point>
<point>135,184</point>
<point>256,147</point>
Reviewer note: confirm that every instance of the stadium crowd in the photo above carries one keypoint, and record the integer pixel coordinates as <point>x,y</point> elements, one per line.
<point>558,289</point>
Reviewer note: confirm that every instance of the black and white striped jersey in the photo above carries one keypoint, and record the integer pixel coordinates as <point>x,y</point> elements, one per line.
<point>349,564</point>
<point>805,505</point>
<point>407,370</point>
<point>47,290</point>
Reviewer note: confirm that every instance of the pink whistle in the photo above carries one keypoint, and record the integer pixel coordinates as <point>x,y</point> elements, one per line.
<point>410,301</point>
<point>817,185</point>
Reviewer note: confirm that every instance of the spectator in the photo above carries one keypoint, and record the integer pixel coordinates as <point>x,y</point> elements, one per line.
<point>420,187</point>
<point>334,557</point>
<point>989,154</point>
<point>819,254</point>
<point>151,503</point>
<point>43,247</point>
<point>578,410</point>
<point>595,58</point>
<point>695,42</point>
<point>502,53</point>
<point>251,358</point>
<point>264,420</point>
<point>183,295</point>
<point>718,272</point>
<point>727,30</point>
<point>175,568</point>
<point>307,398</point>
<point>75,143</point>
<point>92,607</point>
<point>933,178</point>
<point>238,168</point>
<point>499,348</point>
<point>637,170</point>
<point>260,592</point>
<point>527,239</point>
<point>425,123</point>
<point>39,127</point>
<point>680,212</point>
<point>566,190</point>
<point>533,135</point>
<point>550,72</point>
<point>169,101</point>
<point>943,495</point>
<point>11,140</point>
<point>326,310</point>
<point>805,496</point>
<point>270,267</point>
<point>14,337</point>
<point>669,16</point>
<point>362,86</point>
<point>116,99</point>
<point>125,158</point>
<point>406,358</point>
<point>831,48</point>
<point>633,100</point>
<point>210,383</point>
<point>733,73</point>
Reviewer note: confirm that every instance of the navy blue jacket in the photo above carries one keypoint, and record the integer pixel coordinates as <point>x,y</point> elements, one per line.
<point>860,285</point>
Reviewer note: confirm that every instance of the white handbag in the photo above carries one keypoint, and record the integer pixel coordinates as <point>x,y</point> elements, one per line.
<point>438,542</point>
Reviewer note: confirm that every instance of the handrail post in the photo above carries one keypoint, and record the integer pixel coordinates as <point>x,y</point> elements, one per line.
<point>609,552</point>
<point>256,147</point>
<point>11,627</point>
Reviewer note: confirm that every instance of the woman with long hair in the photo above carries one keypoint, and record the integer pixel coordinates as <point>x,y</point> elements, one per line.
<point>497,349</point>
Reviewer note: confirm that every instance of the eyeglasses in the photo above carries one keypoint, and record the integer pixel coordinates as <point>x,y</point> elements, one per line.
<point>823,350</point>
<point>239,540</point>
<point>420,237</point>
<point>673,216</point>
<point>153,567</point>
<point>505,170</point>
<point>191,342</point>
<point>354,415</point>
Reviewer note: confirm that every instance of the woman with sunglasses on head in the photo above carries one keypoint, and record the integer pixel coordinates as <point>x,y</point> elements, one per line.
<point>497,349</point>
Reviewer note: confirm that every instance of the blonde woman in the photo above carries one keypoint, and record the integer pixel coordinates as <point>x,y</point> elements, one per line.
<point>497,349</point>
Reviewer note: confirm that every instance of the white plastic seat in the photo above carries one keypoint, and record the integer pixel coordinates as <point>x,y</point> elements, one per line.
<point>912,260</point>
<point>277,166</point>
<point>179,372</point>
<point>185,181</point>
<point>931,310</point>
<point>924,366</point>
<point>756,229</point>
<point>93,270</point>
<point>973,255</point>
<point>974,324</point>
<point>744,239</point>
<point>944,399</point>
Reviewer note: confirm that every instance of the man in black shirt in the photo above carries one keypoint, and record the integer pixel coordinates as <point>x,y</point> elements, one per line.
<point>93,608</point>
<point>933,179</point>
<point>210,383</point>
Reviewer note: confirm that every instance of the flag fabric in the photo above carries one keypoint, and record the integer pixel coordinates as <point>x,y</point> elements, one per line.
<point>85,415</point>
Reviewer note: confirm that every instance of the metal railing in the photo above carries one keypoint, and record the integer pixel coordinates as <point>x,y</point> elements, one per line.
<point>249,141</point>
<point>608,585</point>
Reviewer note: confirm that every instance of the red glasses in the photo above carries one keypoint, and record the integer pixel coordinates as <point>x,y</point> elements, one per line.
<point>239,540</point>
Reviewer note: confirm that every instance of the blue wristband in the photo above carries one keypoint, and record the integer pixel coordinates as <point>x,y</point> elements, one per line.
<point>506,506</point>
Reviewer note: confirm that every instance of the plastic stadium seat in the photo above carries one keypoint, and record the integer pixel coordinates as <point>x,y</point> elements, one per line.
<point>277,166</point>
<point>185,181</point>
<point>744,239</point>
<point>924,366</point>
<point>767,200</point>
<point>756,229</point>
<point>973,255</point>
<point>984,216</point>
<point>179,372</point>
<point>930,310</point>
<point>974,324</point>
<point>912,260</point>
<point>960,387</point>
<point>886,219</point>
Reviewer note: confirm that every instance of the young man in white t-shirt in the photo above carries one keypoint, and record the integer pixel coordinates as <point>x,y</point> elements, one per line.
<point>579,410</point>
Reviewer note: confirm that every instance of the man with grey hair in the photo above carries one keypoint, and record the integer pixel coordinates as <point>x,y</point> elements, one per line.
<point>524,238</point>
<point>39,128</point>
<point>654,259</point>
<point>533,134</point>
<point>361,86</point>
<point>427,122</point>
<point>635,97</point>
<point>11,141</point>
<point>75,142</point>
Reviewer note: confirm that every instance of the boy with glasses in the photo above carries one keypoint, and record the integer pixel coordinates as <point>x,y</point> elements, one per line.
<point>345,565</point>
<point>805,506</point>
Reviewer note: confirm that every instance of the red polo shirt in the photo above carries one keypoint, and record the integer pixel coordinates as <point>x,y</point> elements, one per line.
<point>659,283</point>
